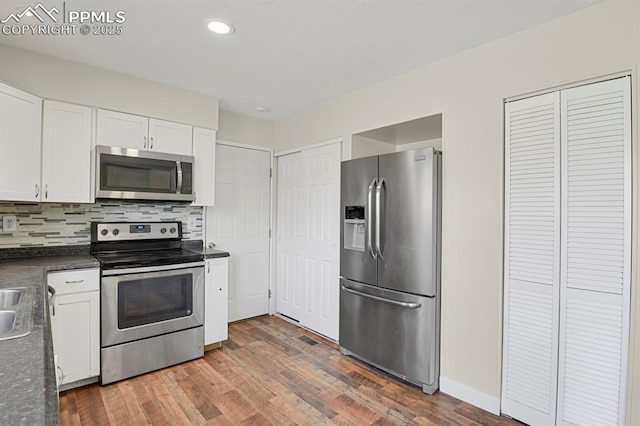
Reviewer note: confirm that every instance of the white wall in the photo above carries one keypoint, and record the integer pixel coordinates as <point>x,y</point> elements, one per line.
<point>69,81</point>
<point>432,143</point>
<point>469,89</point>
<point>243,129</point>
<point>366,147</point>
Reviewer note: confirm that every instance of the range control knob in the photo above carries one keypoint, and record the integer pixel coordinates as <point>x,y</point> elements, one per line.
<point>116,231</point>
<point>172,230</point>
<point>104,232</point>
<point>163,230</point>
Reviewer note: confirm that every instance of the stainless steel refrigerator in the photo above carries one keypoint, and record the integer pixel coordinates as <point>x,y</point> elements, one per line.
<point>390,263</point>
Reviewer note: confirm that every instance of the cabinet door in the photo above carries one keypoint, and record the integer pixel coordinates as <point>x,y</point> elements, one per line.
<point>75,323</point>
<point>20,136</point>
<point>122,130</point>
<point>216,300</point>
<point>204,174</point>
<point>170,137</point>
<point>66,153</point>
<point>76,335</point>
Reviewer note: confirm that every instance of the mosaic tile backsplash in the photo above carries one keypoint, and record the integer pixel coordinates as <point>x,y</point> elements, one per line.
<point>47,225</point>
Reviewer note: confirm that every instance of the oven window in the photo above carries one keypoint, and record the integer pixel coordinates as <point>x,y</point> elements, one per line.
<point>151,300</point>
<point>135,174</point>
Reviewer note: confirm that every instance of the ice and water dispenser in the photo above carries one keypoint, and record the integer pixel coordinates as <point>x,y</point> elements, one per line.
<point>354,228</point>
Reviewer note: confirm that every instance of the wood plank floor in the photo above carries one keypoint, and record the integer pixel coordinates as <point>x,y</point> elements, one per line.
<point>268,372</point>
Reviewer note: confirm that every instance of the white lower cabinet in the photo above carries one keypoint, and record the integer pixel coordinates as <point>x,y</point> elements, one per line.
<point>216,293</point>
<point>75,324</point>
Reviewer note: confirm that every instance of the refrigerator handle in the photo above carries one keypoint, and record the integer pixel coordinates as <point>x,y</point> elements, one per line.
<point>379,217</point>
<point>372,185</point>
<point>408,305</point>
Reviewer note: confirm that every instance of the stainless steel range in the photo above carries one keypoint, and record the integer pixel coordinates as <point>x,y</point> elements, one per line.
<point>152,298</point>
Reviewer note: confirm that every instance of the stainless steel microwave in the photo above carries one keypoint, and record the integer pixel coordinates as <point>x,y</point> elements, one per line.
<point>125,173</point>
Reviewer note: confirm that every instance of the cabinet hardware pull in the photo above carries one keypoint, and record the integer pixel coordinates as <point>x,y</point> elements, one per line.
<point>52,303</point>
<point>144,144</point>
<point>74,282</point>
<point>46,191</point>
<point>37,190</point>
<point>151,142</point>
<point>208,267</point>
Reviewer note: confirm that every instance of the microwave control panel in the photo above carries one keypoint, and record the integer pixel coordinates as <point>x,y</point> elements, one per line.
<point>187,178</point>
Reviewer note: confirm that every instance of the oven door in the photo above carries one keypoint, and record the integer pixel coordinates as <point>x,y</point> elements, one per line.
<point>145,302</point>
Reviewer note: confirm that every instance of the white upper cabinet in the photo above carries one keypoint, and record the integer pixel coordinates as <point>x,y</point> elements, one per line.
<point>204,152</point>
<point>137,132</point>
<point>20,136</point>
<point>122,130</point>
<point>170,137</point>
<point>66,153</point>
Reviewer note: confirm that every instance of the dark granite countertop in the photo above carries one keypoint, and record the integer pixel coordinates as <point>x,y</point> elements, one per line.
<point>211,253</point>
<point>28,393</point>
<point>208,253</point>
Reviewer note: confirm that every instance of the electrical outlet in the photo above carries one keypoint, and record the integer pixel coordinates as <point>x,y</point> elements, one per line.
<point>191,224</point>
<point>9,224</point>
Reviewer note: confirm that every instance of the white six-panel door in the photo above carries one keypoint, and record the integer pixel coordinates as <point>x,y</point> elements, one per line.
<point>567,255</point>
<point>308,207</point>
<point>239,223</point>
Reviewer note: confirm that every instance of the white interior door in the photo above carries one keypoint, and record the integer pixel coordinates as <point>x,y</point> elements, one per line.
<point>308,209</point>
<point>532,259</point>
<point>239,224</point>
<point>595,276</point>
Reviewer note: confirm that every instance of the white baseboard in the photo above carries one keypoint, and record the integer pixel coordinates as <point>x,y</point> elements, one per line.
<point>470,395</point>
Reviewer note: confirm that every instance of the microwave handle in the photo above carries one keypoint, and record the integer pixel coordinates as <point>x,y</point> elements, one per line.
<point>179,185</point>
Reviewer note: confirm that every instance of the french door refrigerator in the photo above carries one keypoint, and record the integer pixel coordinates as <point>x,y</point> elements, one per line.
<point>390,263</point>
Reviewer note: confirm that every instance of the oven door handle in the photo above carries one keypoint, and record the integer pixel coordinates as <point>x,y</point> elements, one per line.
<point>172,267</point>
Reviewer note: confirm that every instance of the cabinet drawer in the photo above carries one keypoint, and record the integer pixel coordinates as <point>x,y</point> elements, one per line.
<point>77,281</point>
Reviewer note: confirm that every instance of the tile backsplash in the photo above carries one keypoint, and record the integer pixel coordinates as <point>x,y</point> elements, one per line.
<point>47,225</point>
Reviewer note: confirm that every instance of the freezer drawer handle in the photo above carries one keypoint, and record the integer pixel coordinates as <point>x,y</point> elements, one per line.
<point>372,185</point>
<point>408,305</point>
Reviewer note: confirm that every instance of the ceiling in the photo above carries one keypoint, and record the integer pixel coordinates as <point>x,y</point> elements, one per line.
<point>287,55</point>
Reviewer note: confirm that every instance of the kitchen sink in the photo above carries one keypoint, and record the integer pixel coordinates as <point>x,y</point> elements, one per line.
<point>9,298</point>
<point>7,321</point>
<point>16,312</point>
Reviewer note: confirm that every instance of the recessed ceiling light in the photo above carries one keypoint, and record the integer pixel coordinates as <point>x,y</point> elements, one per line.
<point>220,27</point>
<point>261,108</point>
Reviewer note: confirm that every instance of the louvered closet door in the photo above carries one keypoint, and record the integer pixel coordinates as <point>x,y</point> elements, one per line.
<point>596,243</point>
<point>532,253</point>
